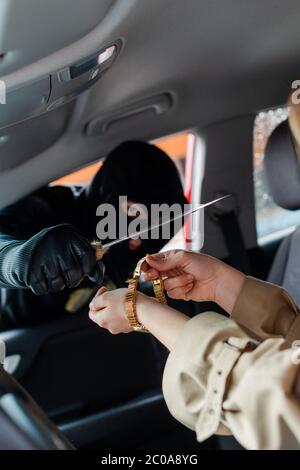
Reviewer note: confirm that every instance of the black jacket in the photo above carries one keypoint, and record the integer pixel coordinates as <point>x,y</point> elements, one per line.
<point>139,170</point>
<point>48,207</point>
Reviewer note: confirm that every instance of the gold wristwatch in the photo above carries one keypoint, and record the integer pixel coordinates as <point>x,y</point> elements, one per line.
<point>130,300</point>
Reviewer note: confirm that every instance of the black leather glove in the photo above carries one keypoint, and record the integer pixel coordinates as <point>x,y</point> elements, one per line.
<point>54,259</point>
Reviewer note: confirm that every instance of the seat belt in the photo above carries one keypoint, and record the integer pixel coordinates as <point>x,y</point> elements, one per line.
<point>225,213</point>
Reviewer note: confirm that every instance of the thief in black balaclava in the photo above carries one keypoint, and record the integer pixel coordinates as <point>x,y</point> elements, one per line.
<point>47,263</point>
<point>145,175</point>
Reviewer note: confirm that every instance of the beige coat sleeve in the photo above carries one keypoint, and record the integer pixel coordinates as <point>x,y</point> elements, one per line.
<point>219,380</point>
<point>266,311</point>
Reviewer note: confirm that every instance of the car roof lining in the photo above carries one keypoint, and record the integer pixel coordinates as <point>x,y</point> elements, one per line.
<point>219,60</point>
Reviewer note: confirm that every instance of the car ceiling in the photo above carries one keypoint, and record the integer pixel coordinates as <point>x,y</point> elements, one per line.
<point>181,65</point>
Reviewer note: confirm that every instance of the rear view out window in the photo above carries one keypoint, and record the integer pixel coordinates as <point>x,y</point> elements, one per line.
<point>271,220</point>
<point>175,146</point>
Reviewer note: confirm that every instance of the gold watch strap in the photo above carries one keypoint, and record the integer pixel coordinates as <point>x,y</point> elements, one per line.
<point>130,300</point>
<point>158,287</point>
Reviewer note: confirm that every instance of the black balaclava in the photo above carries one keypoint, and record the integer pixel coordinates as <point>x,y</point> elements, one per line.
<point>146,175</point>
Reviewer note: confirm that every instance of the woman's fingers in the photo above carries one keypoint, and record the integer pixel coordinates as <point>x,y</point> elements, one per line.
<point>107,310</point>
<point>96,303</point>
<point>181,292</point>
<point>169,263</point>
<point>145,267</point>
<point>101,291</point>
<point>167,260</point>
<point>94,315</point>
<point>151,274</point>
<point>178,281</point>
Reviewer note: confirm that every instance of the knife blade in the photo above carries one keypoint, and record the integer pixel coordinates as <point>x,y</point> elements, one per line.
<point>102,249</point>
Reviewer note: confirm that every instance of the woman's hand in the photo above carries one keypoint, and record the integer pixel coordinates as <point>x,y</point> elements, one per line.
<point>188,275</point>
<point>194,276</point>
<point>107,309</point>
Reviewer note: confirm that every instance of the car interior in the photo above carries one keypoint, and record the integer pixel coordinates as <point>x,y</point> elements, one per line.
<point>82,77</point>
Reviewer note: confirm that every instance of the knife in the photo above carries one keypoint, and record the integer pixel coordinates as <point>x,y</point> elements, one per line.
<point>101,250</point>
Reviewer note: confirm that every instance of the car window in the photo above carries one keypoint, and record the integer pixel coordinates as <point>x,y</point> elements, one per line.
<point>271,220</point>
<point>80,177</point>
<point>175,146</point>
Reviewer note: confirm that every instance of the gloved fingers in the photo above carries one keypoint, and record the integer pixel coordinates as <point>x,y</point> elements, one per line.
<point>39,284</point>
<point>97,274</point>
<point>85,254</point>
<point>62,261</point>
<point>72,272</point>
<point>54,278</point>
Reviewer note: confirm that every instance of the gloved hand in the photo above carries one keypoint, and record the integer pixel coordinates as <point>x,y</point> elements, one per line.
<point>54,259</point>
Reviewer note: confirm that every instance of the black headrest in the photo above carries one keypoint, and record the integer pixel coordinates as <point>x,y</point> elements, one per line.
<point>282,168</point>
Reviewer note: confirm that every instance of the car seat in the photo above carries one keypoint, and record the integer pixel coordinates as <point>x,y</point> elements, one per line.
<point>282,167</point>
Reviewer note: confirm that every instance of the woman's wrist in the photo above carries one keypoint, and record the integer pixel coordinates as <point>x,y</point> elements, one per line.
<point>162,321</point>
<point>228,287</point>
<point>143,307</point>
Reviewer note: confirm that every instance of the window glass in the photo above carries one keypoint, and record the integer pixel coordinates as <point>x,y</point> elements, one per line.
<point>79,178</point>
<point>271,220</point>
<point>175,146</point>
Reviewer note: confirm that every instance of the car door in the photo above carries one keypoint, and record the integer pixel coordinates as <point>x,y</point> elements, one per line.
<point>79,373</point>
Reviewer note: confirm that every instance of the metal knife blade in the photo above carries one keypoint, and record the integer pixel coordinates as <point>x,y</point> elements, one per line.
<point>161,224</point>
